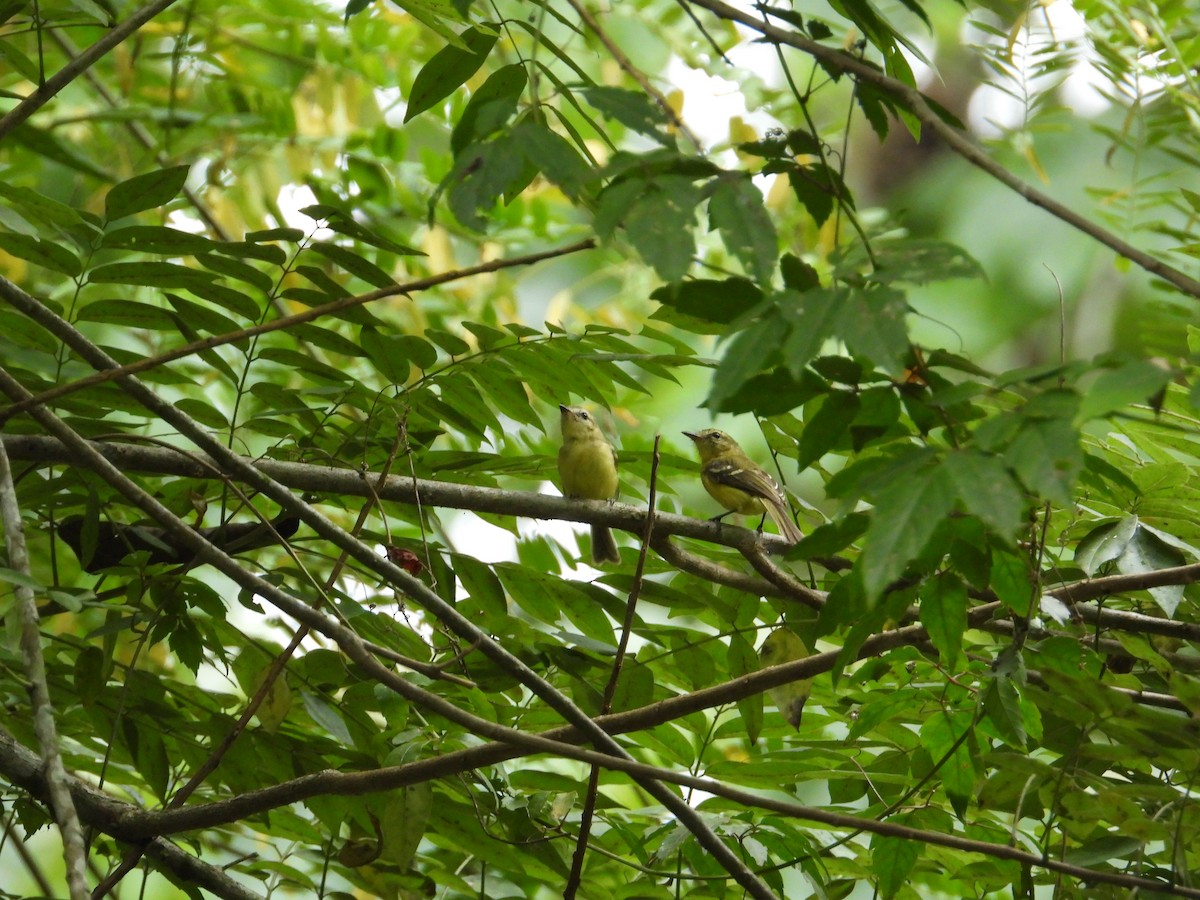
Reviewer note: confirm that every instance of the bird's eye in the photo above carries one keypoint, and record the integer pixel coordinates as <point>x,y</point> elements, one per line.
<point>584,416</point>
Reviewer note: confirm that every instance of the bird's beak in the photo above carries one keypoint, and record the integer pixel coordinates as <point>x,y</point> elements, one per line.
<point>694,437</point>
<point>563,409</point>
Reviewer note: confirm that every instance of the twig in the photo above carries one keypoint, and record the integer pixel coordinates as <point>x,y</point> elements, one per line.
<point>140,133</point>
<point>356,783</point>
<point>206,768</point>
<point>633,72</point>
<point>917,104</point>
<point>68,73</point>
<point>589,802</point>
<point>18,298</point>
<point>348,640</point>
<point>39,692</point>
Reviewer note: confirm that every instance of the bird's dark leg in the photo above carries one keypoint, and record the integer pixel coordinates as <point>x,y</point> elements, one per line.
<point>762,522</point>
<point>718,519</point>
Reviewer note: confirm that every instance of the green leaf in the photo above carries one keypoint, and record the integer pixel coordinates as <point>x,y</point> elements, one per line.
<point>326,339</point>
<point>921,261</point>
<point>449,68</point>
<point>1011,582</point>
<point>1103,850</point>
<point>199,317</point>
<point>905,517</point>
<point>451,343</point>
<point>892,861</point>
<point>815,187</point>
<point>149,274</point>
<point>554,157</point>
<point>873,326</point>
<point>944,615</point>
<point>327,717</point>
<point>403,822</point>
<point>203,412</point>
<point>1002,706</point>
<point>142,192</point>
<point>130,314</point>
<point>39,208</point>
<point>661,225</point>
<point>47,254</point>
<point>490,107</point>
<point>354,264</point>
<point>631,108</point>
<point>238,270</point>
<point>482,176</point>
<point>797,274</point>
<point>831,538</point>
<point>482,587</point>
<point>1104,544</point>
<point>287,235</point>
<point>227,298</point>
<point>709,300</point>
<point>157,239</point>
<point>1116,389</point>
<point>393,354</point>
<point>813,317</point>
<point>825,429</point>
<point>1135,548</point>
<point>747,355</point>
<point>145,745</point>
<point>878,414</point>
<point>939,734</point>
<point>10,56</point>
<point>986,489</point>
<point>875,106</point>
<point>773,393</point>
<point>1047,458</point>
<point>736,210</point>
<point>507,391</point>
<point>435,14</point>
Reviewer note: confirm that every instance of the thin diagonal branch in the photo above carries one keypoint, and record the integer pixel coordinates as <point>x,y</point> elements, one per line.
<point>634,72</point>
<point>39,692</point>
<point>72,70</point>
<point>139,133</point>
<point>916,103</point>
<point>349,642</point>
<point>593,787</point>
<point>12,294</point>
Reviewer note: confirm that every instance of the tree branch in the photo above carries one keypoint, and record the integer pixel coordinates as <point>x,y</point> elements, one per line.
<point>308,478</point>
<point>26,303</point>
<point>79,64</point>
<point>913,100</point>
<point>347,640</point>
<point>39,692</point>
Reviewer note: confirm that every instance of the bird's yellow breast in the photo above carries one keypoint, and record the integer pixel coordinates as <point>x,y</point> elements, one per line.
<point>588,469</point>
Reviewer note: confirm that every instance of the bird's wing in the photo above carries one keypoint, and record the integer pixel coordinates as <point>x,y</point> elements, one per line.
<point>752,479</point>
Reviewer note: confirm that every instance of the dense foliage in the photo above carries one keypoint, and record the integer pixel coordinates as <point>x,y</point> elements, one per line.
<point>315,282</point>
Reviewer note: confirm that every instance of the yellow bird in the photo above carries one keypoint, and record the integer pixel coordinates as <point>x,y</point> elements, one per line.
<point>740,484</point>
<point>587,467</point>
<point>783,645</point>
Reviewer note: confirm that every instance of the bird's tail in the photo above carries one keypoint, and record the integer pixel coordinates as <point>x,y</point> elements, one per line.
<point>604,547</point>
<point>782,517</point>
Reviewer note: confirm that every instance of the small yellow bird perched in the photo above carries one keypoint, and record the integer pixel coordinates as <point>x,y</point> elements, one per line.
<point>783,645</point>
<point>587,467</point>
<point>740,484</point>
